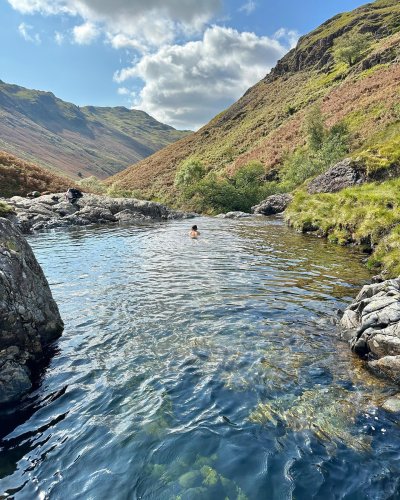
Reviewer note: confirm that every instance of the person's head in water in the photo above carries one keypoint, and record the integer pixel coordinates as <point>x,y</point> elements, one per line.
<point>194,232</point>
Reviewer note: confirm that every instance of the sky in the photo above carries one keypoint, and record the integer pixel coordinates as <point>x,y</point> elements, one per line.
<point>182,61</point>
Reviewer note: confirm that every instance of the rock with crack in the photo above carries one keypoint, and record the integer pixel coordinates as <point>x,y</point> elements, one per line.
<point>29,317</point>
<point>372,326</point>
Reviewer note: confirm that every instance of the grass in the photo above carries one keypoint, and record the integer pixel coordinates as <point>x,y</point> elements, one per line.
<point>4,209</point>
<point>367,215</point>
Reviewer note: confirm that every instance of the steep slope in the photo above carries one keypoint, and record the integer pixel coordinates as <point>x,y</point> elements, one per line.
<point>18,177</point>
<point>267,123</point>
<point>88,140</point>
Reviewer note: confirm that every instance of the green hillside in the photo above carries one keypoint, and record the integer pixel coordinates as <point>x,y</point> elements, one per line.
<point>266,133</point>
<point>88,140</point>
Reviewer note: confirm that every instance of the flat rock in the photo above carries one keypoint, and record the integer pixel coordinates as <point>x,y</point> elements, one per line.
<point>53,210</point>
<point>233,215</point>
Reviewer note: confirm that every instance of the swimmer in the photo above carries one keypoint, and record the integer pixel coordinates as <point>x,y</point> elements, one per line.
<point>194,233</point>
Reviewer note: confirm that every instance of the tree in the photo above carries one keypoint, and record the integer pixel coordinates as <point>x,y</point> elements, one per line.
<point>350,47</point>
<point>189,173</point>
<point>316,130</point>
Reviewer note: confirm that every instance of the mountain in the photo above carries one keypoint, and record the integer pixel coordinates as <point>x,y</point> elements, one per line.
<point>18,177</point>
<point>89,140</point>
<point>269,122</point>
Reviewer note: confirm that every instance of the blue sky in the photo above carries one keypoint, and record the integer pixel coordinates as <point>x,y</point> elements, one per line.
<point>183,61</point>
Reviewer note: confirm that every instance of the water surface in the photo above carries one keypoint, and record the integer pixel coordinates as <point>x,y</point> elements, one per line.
<point>201,369</point>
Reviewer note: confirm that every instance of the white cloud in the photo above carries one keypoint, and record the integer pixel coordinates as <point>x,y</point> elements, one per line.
<point>248,7</point>
<point>144,23</point>
<point>25,30</point>
<point>85,33</point>
<point>186,85</point>
<point>291,36</point>
<point>59,38</point>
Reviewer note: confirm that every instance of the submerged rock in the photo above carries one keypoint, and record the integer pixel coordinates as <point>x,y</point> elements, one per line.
<point>372,326</point>
<point>274,204</point>
<point>344,174</point>
<point>29,317</point>
<point>53,210</point>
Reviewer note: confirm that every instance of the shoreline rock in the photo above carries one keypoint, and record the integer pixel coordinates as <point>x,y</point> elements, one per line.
<point>29,317</point>
<point>53,211</point>
<point>274,204</point>
<point>371,324</point>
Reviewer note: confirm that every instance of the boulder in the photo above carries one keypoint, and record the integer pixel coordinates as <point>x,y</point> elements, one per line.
<point>372,326</point>
<point>233,215</point>
<point>29,317</point>
<point>53,210</point>
<point>344,174</point>
<point>275,204</point>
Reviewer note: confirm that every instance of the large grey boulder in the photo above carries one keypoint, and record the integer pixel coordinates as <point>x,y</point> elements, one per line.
<point>29,317</point>
<point>372,326</point>
<point>274,204</point>
<point>344,174</point>
<point>52,211</point>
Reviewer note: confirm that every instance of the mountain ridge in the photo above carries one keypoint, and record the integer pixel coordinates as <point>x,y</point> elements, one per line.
<point>87,140</point>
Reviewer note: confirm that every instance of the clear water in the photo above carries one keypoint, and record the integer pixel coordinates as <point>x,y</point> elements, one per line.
<point>204,368</point>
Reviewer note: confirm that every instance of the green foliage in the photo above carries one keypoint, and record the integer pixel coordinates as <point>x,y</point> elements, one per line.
<point>4,209</point>
<point>213,193</point>
<point>351,47</point>
<point>325,148</point>
<point>93,184</point>
<point>367,215</point>
<point>190,172</point>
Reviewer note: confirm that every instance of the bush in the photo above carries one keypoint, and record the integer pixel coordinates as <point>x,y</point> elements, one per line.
<point>351,47</point>
<point>190,172</point>
<point>93,184</point>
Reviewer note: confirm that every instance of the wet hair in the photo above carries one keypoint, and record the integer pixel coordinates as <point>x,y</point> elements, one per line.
<point>194,228</point>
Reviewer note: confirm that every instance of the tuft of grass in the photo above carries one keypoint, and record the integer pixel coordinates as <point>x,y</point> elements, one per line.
<point>367,215</point>
<point>4,209</point>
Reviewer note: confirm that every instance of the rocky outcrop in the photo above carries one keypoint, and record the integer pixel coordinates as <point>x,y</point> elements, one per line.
<point>233,215</point>
<point>275,204</point>
<point>344,174</point>
<point>52,211</point>
<point>372,326</point>
<point>29,317</point>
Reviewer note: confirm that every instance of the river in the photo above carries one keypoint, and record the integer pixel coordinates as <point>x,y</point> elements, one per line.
<point>200,369</point>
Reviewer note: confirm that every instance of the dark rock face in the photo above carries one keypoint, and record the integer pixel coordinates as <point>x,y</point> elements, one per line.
<point>344,174</point>
<point>275,204</point>
<point>53,210</point>
<point>29,317</point>
<point>372,325</point>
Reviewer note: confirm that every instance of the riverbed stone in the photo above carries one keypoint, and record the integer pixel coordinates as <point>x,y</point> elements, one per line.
<point>274,204</point>
<point>392,404</point>
<point>53,210</point>
<point>29,317</point>
<point>372,326</point>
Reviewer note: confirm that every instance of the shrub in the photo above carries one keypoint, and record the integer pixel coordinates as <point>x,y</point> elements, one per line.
<point>351,47</point>
<point>190,172</point>
<point>93,184</point>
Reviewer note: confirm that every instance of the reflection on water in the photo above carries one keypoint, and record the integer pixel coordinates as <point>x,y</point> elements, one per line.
<point>204,368</point>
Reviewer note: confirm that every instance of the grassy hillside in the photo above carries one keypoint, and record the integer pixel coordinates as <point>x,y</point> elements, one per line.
<point>269,123</point>
<point>18,177</point>
<point>87,140</point>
